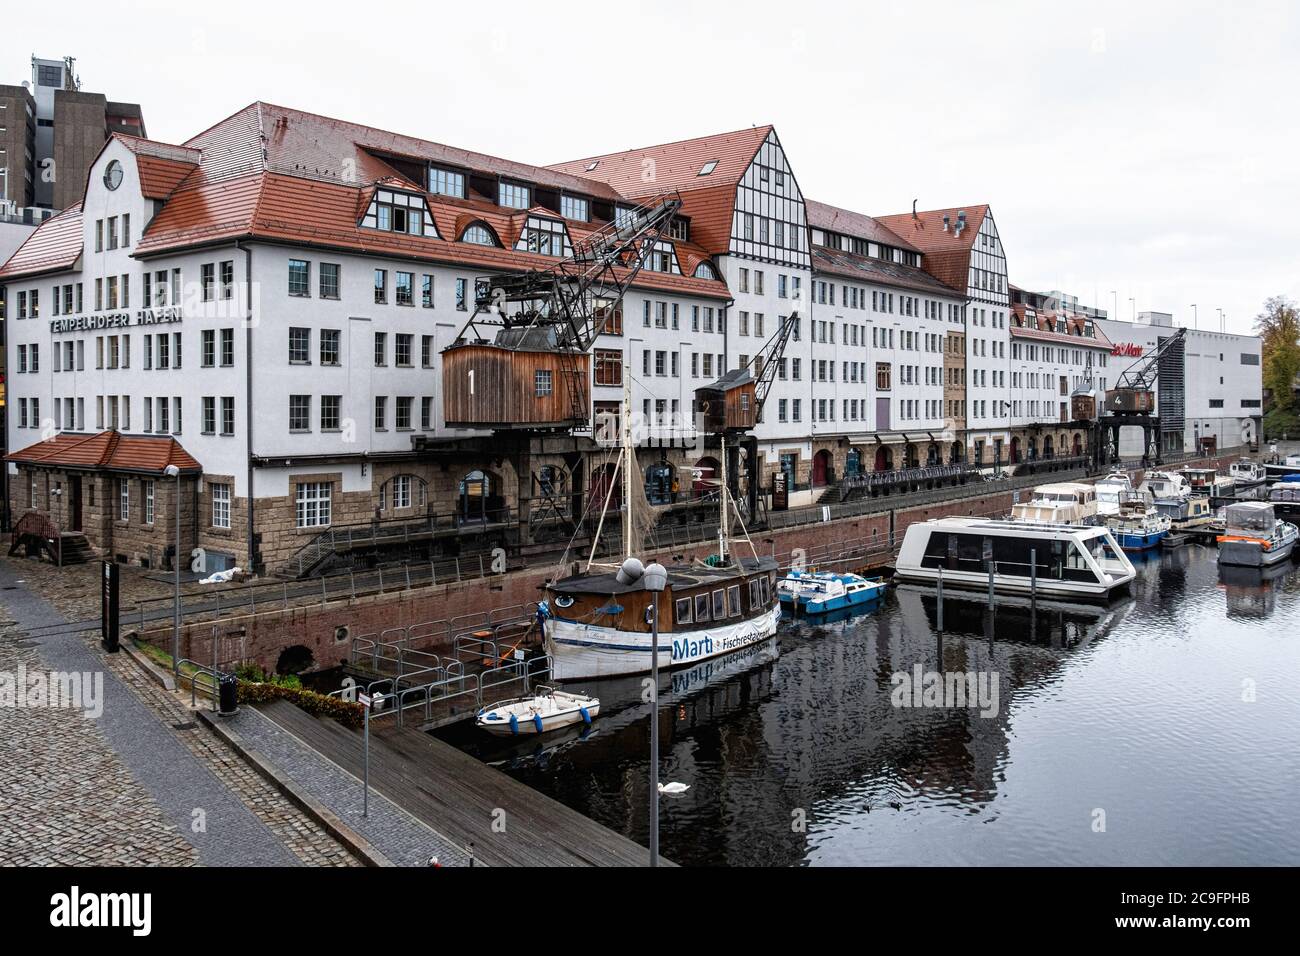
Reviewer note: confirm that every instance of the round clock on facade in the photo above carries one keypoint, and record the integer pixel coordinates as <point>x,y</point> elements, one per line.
<point>113,175</point>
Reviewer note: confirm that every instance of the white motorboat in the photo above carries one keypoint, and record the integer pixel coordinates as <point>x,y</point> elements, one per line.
<point>1113,491</point>
<point>1254,537</point>
<point>1067,502</point>
<point>1247,474</point>
<point>820,592</point>
<point>1138,526</point>
<point>1067,561</point>
<point>545,710</point>
<point>1278,470</point>
<point>1169,491</point>
<point>1208,481</point>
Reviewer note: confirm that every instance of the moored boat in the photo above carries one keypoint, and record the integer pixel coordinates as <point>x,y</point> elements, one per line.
<point>1253,536</point>
<point>820,592</point>
<point>1066,502</point>
<point>1278,470</point>
<point>544,710</point>
<point>1138,526</point>
<point>1208,481</point>
<point>1066,561</point>
<point>1247,474</point>
<point>1169,491</point>
<point>1112,491</point>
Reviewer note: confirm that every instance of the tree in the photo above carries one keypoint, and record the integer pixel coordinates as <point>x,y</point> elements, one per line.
<point>1279,328</point>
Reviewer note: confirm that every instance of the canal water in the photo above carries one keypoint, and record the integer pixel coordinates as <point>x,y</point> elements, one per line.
<point>1161,729</point>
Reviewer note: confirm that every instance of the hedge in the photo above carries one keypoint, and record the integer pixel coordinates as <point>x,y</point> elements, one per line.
<point>318,705</point>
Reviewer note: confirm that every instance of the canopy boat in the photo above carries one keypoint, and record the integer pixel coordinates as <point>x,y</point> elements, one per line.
<point>1067,502</point>
<point>820,592</point>
<point>1112,491</point>
<point>545,710</point>
<point>1247,474</point>
<point>597,622</point>
<point>1067,561</point>
<point>1208,481</point>
<point>1169,491</point>
<point>1138,526</point>
<point>1285,498</point>
<point>1254,537</point>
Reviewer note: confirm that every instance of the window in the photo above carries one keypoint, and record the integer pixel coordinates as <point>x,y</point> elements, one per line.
<point>329,412</point>
<point>146,494</point>
<point>208,279</point>
<point>514,195</point>
<point>402,491</point>
<point>299,413</point>
<point>123,500</point>
<point>479,235</point>
<point>426,351</point>
<point>574,207</point>
<point>547,237</point>
<point>404,286</point>
<point>312,504</point>
<point>299,346</point>
<point>445,182</point>
<point>208,349</point>
<point>227,348</point>
<point>299,277</point>
<point>381,413</point>
<point>381,348</point>
<point>227,281</point>
<point>460,295</point>
<point>403,413</point>
<point>381,286</point>
<point>708,167</point>
<point>220,505</point>
<point>329,346</point>
<point>329,280</point>
<point>684,610</point>
<point>609,367</point>
<point>227,415</point>
<point>426,291</point>
<point>542,383</point>
<point>394,211</point>
<point>209,415</point>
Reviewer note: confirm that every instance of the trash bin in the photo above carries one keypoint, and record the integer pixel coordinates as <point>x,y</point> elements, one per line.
<point>228,694</point>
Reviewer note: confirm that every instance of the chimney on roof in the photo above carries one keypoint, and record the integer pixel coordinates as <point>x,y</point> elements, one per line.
<point>961,222</point>
<point>914,215</point>
<point>946,219</point>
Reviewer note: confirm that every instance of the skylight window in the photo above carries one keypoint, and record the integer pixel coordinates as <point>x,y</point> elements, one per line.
<point>708,167</point>
<point>593,164</point>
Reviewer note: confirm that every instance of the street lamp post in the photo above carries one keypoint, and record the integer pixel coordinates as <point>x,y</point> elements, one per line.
<point>57,493</point>
<point>656,578</point>
<point>1194,316</point>
<point>171,471</point>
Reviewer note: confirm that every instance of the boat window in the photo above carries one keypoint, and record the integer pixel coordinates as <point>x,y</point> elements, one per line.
<point>767,594</point>
<point>564,600</point>
<point>1075,567</point>
<point>733,600</point>
<point>701,608</point>
<point>684,610</point>
<point>719,605</point>
<point>755,601</point>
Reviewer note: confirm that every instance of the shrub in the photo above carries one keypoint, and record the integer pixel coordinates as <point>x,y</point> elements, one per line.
<point>318,705</point>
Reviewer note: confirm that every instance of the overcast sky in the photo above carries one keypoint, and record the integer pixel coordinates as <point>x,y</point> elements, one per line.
<point>1131,150</point>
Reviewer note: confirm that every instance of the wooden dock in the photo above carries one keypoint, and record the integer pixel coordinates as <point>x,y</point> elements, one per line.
<point>461,797</point>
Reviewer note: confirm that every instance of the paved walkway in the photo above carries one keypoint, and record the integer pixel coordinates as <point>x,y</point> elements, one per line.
<point>390,829</point>
<point>141,784</point>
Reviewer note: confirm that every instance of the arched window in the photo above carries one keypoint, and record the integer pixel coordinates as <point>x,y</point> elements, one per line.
<point>705,270</point>
<point>403,491</point>
<point>479,234</point>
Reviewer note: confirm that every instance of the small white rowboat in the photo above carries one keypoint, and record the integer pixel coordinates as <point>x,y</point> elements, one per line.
<point>545,710</point>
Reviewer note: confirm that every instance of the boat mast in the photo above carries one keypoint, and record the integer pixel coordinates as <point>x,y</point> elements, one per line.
<point>722,518</point>
<point>627,458</point>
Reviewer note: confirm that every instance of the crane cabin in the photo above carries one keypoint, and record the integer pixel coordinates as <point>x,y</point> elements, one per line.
<point>728,405</point>
<point>521,381</point>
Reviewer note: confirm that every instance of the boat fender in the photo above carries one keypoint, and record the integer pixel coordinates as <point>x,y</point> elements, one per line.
<point>586,717</point>
<point>514,724</point>
<point>537,722</point>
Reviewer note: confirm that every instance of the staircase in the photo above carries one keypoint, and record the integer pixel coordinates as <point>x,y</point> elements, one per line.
<point>37,534</point>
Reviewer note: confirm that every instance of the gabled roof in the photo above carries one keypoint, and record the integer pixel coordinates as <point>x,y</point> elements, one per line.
<point>1040,325</point>
<point>849,223</point>
<point>108,451</point>
<point>946,254</point>
<point>654,170</point>
<point>53,247</point>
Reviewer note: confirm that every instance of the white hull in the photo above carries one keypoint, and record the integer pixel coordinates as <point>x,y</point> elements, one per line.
<point>1014,584</point>
<point>539,716</point>
<point>585,651</point>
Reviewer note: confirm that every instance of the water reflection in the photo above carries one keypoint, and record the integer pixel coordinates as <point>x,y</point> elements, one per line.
<point>797,755</point>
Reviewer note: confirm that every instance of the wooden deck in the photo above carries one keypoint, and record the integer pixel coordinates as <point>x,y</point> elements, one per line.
<point>458,796</point>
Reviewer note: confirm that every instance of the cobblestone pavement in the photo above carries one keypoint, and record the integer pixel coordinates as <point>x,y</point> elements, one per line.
<point>145,782</point>
<point>390,829</point>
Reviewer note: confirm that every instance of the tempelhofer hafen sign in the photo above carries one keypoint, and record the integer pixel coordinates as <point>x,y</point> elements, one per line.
<point>97,322</point>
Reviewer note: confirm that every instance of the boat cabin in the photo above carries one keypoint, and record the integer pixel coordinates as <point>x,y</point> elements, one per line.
<point>1251,518</point>
<point>1068,502</point>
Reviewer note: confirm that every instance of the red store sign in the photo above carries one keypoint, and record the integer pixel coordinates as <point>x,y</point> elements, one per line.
<point>1126,348</point>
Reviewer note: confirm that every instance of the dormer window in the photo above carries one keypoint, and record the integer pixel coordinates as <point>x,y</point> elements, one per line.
<point>446,182</point>
<point>663,258</point>
<point>514,195</point>
<point>680,229</point>
<point>480,235</point>
<point>708,167</point>
<point>545,236</point>
<point>705,270</point>
<point>392,211</point>
<point>574,207</point>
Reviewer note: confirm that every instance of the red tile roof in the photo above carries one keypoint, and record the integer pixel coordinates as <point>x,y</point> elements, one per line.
<point>108,451</point>
<point>866,269</point>
<point>53,247</point>
<point>946,254</point>
<point>1041,326</point>
<point>849,223</point>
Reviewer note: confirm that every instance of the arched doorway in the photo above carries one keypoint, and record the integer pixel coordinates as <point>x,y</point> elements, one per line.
<point>853,463</point>
<point>884,458</point>
<point>1033,448</point>
<point>660,480</point>
<point>823,470</point>
<point>909,455</point>
<point>932,454</point>
<point>1047,446</point>
<point>603,483</point>
<point>476,495</point>
<point>957,454</point>
<point>1077,446</point>
<point>1015,450</point>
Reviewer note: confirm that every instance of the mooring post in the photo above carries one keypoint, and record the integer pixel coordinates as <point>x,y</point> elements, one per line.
<point>940,589</point>
<point>1033,575</point>
<point>990,584</point>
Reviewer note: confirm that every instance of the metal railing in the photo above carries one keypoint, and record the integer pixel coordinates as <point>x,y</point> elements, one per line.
<point>212,675</point>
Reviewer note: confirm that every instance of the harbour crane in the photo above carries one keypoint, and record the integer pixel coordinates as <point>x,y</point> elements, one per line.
<point>1133,399</point>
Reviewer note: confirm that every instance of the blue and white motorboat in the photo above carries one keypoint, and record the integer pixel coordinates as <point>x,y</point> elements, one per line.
<point>820,592</point>
<point>1138,526</point>
<point>544,710</point>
